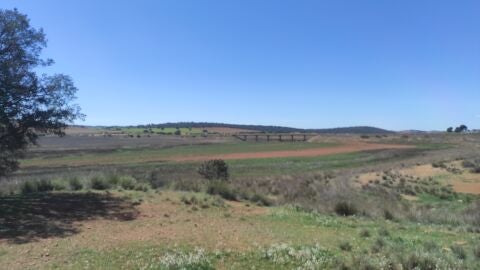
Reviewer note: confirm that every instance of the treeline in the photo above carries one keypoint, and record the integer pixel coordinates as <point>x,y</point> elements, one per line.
<point>267,129</point>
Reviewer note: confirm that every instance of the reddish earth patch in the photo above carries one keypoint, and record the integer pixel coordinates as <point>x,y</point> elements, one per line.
<point>470,188</point>
<point>347,148</point>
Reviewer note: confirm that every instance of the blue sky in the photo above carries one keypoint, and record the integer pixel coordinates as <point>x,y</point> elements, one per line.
<point>311,64</point>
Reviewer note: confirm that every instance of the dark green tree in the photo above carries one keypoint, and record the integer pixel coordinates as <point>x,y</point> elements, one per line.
<point>461,128</point>
<point>216,169</point>
<point>29,103</point>
<point>450,129</point>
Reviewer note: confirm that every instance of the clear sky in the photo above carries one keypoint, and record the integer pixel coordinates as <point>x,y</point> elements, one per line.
<point>409,64</point>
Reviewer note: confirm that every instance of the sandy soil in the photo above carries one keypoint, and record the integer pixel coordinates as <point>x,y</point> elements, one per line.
<point>466,182</point>
<point>423,171</point>
<point>462,187</point>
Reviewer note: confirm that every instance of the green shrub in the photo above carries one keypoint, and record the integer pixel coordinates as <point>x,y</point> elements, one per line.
<point>222,189</point>
<point>44,185</point>
<point>215,169</point>
<point>261,199</point>
<point>388,215</point>
<point>29,186</point>
<point>187,185</point>
<point>142,187</point>
<point>127,182</point>
<point>345,246</point>
<point>75,184</point>
<point>59,184</point>
<point>113,180</point>
<point>439,164</point>
<point>345,209</point>
<point>99,183</point>
<point>192,200</point>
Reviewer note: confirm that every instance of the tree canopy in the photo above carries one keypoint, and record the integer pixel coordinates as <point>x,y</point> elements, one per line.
<point>29,103</point>
<point>461,128</point>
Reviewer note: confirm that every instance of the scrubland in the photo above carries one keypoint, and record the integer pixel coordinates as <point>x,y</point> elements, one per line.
<point>135,207</point>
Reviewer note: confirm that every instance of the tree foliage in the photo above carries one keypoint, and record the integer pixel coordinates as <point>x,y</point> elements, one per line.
<point>29,103</point>
<point>215,169</point>
<point>461,128</point>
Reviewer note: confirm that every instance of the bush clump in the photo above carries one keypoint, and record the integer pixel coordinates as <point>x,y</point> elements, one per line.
<point>29,186</point>
<point>45,185</point>
<point>222,189</point>
<point>346,246</point>
<point>59,184</point>
<point>99,183</point>
<point>260,199</point>
<point>75,184</point>
<point>128,182</point>
<point>33,186</point>
<point>388,215</point>
<point>142,187</point>
<point>345,209</point>
<point>439,164</point>
<point>215,169</point>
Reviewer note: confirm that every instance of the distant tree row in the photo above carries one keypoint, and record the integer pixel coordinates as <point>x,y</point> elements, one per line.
<point>459,129</point>
<point>268,129</point>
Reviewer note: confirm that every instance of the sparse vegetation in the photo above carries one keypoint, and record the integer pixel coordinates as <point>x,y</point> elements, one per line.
<point>373,217</point>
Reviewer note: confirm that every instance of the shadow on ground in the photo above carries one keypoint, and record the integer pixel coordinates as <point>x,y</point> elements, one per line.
<point>27,218</point>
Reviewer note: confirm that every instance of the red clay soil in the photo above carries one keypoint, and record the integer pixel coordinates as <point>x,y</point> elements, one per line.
<point>470,188</point>
<point>314,152</point>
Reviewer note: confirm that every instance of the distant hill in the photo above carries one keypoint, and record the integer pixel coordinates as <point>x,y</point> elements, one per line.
<point>353,130</point>
<point>269,129</point>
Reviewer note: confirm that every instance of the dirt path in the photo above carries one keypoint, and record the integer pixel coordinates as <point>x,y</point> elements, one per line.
<point>347,148</point>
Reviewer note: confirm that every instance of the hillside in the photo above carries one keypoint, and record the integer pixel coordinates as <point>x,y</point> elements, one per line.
<point>268,129</point>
